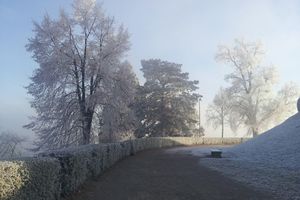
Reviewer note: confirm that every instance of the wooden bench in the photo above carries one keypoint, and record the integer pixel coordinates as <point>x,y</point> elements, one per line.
<point>216,153</point>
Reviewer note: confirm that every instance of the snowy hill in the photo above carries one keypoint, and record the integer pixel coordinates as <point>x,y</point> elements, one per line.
<point>270,162</point>
<point>278,147</point>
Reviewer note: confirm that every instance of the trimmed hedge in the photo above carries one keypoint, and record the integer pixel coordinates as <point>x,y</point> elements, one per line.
<point>30,179</point>
<point>57,174</point>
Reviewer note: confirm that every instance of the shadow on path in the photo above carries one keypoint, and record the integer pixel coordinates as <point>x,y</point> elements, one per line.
<point>156,175</point>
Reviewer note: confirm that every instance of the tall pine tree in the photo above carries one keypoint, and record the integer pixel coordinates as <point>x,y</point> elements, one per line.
<point>166,103</point>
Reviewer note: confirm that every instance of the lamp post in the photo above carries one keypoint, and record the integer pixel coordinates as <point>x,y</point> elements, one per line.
<point>199,100</point>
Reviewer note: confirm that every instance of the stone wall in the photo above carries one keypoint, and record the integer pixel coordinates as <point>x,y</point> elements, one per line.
<point>56,174</point>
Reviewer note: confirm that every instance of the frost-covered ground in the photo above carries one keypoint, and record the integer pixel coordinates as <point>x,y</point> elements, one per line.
<point>269,162</point>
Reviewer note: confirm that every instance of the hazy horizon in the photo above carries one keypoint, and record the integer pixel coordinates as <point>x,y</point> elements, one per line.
<point>185,32</point>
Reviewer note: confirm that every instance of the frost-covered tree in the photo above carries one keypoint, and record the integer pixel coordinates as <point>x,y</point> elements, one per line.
<point>118,120</point>
<point>10,145</point>
<point>218,113</point>
<point>166,102</point>
<point>253,97</point>
<point>80,63</point>
<point>285,102</point>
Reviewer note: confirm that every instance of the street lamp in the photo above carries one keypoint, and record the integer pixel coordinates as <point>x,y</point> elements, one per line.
<point>199,100</point>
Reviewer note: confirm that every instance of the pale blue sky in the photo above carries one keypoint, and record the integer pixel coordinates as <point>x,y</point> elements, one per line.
<point>182,31</point>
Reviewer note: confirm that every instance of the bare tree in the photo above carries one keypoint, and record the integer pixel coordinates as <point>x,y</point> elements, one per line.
<point>10,145</point>
<point>218,113</point>
<point>285,102</point>
<point>79,57</point>
<point>253,99</point>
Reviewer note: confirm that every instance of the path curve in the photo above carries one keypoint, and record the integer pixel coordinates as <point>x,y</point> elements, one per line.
<point>158,175</point>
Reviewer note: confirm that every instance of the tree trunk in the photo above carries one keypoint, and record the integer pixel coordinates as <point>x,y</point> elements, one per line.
<point>222,110</point>
<point>254,131</point>
<point>222,129</point>
<point>87,126</point>
<point>110,133</point>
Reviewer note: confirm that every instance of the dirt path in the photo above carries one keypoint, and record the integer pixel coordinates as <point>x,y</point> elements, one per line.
<point>156,175</point>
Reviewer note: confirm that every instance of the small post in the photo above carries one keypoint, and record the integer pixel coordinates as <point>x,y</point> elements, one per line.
<point>199,100</point>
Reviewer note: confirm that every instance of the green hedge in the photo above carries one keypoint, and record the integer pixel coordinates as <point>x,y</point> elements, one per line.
<point>57,174</point>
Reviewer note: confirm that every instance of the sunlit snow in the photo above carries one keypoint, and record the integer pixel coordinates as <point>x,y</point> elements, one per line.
<point>269,162</point>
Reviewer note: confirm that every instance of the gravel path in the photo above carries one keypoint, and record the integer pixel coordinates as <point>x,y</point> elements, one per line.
<point>161,174</point>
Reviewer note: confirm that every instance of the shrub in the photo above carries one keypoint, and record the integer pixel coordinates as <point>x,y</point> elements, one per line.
<point>34,179</point>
